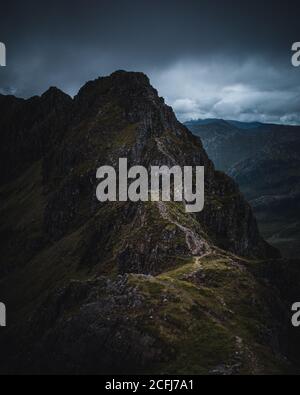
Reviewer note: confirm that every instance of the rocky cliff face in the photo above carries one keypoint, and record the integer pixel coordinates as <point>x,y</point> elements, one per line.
<point>118,116</point>
<point>129,276</point>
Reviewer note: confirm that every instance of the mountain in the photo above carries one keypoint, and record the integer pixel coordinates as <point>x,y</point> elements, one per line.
<point>245,125</point>
<point>127,287</point>
<point>214,121</point>
<point>264,160</point>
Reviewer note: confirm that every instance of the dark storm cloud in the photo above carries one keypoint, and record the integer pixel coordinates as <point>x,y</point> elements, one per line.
<point>217,58</point>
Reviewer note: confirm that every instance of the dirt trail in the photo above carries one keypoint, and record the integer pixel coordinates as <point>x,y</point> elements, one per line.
<point>195,243</point>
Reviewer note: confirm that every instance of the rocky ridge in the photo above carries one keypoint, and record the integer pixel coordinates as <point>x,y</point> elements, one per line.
<point>122,287</point>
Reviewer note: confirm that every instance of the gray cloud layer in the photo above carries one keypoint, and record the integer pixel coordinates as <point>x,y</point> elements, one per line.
<point>249,91</point>
<point>229,59</point>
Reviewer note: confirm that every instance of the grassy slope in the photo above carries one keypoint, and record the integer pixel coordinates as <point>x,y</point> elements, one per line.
<point>212,316</point>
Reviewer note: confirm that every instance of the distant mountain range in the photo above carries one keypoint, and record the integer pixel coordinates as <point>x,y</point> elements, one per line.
<point>264,159</point>
<point>238,124</point>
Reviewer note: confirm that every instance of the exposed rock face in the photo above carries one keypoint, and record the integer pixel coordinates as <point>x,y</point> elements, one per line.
<point>118,116</point>
<point>30,128</point>
<point>55,231</point>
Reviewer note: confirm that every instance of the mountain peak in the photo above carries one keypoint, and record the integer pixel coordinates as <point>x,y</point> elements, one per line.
<point>54,93</point>
<point>130,92</point>
<point>130,75</point>
<point>119,83</point>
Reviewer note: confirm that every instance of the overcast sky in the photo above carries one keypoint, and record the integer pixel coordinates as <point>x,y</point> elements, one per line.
<point>219,58</point>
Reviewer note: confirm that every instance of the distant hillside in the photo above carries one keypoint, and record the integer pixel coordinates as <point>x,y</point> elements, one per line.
<point>264,160</point>
<point>210,121</point>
